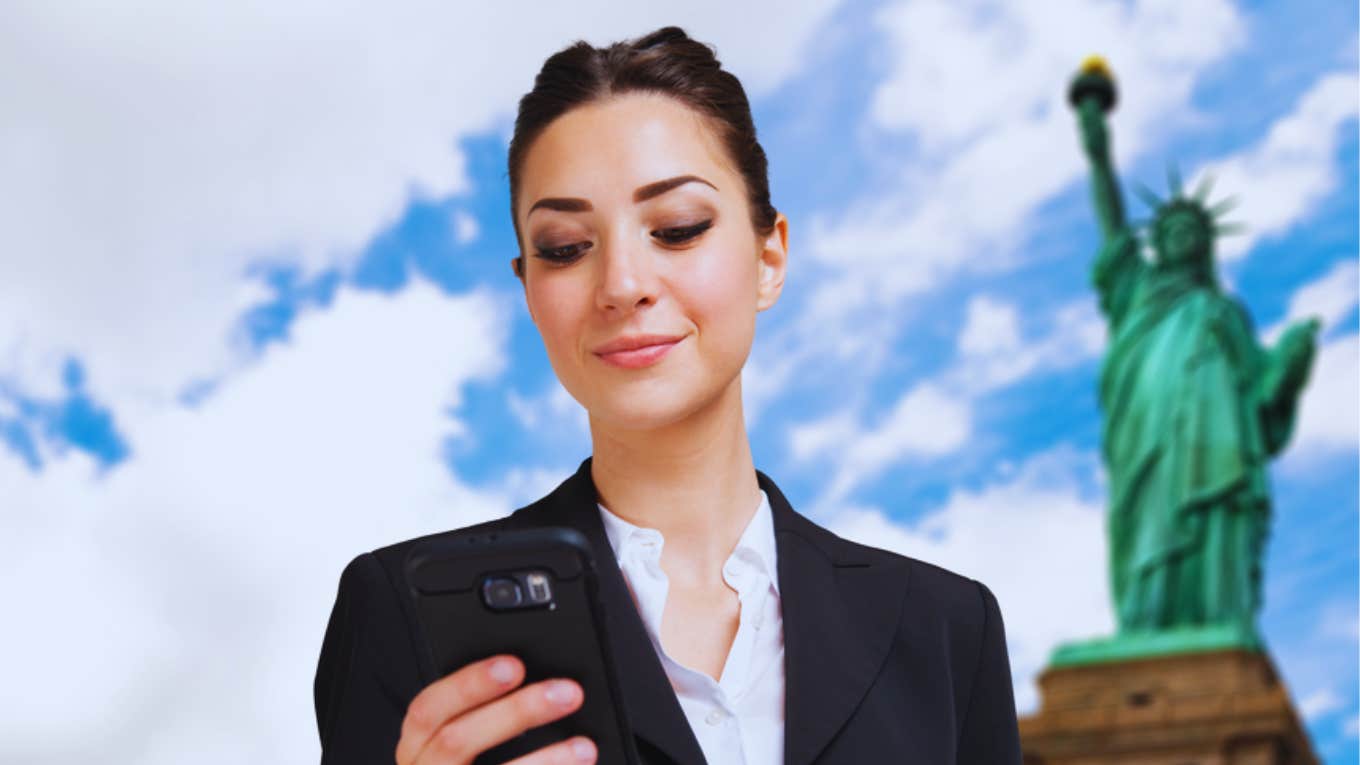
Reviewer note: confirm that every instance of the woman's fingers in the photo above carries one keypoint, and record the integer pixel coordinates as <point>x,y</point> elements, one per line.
<point>573,751</point>
<point>473,732</point>
<point>453,695</point>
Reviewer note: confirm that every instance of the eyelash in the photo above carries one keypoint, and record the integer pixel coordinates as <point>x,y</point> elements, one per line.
<point>686,233</point>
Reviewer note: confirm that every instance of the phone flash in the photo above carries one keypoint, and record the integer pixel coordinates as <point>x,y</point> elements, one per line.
<point>539,591</point>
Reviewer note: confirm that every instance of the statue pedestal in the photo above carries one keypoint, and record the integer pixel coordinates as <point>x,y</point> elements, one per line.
<point>1224,707</point>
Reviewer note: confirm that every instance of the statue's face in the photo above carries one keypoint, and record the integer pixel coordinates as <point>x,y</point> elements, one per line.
<point>1182,237</point>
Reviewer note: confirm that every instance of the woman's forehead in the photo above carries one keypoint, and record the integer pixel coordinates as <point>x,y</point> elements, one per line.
<point>610,148</point>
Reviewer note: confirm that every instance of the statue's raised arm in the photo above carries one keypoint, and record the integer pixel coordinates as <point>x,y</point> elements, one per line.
<point>1118,266</point>
<point>1092,94</point>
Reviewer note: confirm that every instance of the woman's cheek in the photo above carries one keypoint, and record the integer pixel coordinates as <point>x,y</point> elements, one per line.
<point>722,307</point>
<point>559,331</point>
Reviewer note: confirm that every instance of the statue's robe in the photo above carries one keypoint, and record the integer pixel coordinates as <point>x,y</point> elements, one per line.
<point>1187,434</point>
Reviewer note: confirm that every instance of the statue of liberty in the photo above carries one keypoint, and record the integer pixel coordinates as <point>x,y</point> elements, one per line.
<point>1194,408</point>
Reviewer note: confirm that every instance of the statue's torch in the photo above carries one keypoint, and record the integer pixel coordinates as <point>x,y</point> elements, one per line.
<point>1093,87</point>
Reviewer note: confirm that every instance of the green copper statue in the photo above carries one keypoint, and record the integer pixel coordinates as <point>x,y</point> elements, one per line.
<point>1194,408</point>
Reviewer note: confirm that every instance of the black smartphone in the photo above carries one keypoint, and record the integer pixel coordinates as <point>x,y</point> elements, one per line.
<point>532,593</point>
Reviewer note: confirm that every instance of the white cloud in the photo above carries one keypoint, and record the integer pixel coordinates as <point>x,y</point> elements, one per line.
<point>966,68</point>
<point>827,435</point>
<point>151,151</point>
<point>993,354</point>
<point>765,376</point>
<point>926,421</point>
<point>991,326</point>
<point>935,417</point>
<point>1329,298</point>
<point>551,411</point>
<point>1036,539</point>
<point>522,486</point>
<point>1280,180</point>
<point>185,594</point>
<point>1319,703</point>
<point>465,227</point>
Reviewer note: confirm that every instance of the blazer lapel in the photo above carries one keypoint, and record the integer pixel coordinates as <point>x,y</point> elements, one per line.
<point>840,611</point>
<point>653,709</point>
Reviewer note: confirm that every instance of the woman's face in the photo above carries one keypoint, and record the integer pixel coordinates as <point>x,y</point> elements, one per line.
<point>681,261</point>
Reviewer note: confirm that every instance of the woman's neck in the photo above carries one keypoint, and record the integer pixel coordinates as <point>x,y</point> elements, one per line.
<point>694,481</point>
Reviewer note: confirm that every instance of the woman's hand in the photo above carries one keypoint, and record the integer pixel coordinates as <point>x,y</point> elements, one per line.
<point>461,715</point>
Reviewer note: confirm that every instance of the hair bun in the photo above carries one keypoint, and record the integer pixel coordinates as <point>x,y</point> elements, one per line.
<point>661,36</point>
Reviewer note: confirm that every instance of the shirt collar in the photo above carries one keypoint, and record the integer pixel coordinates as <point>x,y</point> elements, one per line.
<point>756,542</point>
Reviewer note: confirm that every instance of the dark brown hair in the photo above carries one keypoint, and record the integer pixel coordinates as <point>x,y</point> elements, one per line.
<point>667,62</point>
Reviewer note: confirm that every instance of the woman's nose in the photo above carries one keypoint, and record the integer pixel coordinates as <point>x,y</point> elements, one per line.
<point>627,275</point>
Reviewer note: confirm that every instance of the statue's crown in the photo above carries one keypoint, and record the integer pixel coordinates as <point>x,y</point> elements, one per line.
<point>1195,203</point>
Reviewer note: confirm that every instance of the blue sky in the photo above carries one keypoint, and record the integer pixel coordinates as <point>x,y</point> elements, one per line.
<point>259,286</point>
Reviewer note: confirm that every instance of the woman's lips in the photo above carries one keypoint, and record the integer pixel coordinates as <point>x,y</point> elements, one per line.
<point>638,357</point>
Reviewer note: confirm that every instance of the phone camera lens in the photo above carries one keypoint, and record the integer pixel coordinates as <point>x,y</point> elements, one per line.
<point>501,592</point>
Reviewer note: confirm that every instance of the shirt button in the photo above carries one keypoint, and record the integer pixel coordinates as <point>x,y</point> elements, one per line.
<point>714,717</point>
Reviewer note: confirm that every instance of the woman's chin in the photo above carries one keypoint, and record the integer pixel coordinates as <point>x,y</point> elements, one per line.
<point>660,401</point>
<point>642,410</point>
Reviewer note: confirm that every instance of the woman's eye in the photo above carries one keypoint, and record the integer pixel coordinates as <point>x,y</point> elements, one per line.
<point>673,235</point>
<point>562,254</point>
<point>682,233</point>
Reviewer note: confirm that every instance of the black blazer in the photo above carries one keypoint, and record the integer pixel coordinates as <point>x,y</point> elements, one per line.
<point>887,659</point>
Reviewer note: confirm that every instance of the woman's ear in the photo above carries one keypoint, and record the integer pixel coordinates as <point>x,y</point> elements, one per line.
<point>774,257</point>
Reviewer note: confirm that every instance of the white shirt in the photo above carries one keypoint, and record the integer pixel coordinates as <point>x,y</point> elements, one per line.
<point>738,720</point>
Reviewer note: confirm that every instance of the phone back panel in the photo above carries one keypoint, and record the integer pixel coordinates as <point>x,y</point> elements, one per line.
<point>568,639</point>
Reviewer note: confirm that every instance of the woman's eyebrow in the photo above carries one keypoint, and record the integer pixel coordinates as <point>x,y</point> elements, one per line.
<point>642,194</point>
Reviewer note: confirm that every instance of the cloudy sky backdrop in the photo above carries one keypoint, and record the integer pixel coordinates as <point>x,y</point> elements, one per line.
<point>256,317</point>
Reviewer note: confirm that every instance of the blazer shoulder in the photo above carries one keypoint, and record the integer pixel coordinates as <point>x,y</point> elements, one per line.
<point>933,577</point>
<point>963,597</point>
<point>943,603</point>
<point>960,600</point>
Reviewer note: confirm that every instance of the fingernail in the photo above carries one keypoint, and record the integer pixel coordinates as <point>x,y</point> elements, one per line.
<point>502,670</point>
<point>560,692</point>
<point>583,750</point>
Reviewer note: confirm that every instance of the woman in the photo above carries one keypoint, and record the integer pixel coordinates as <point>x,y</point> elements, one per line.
<point>747,634</point>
